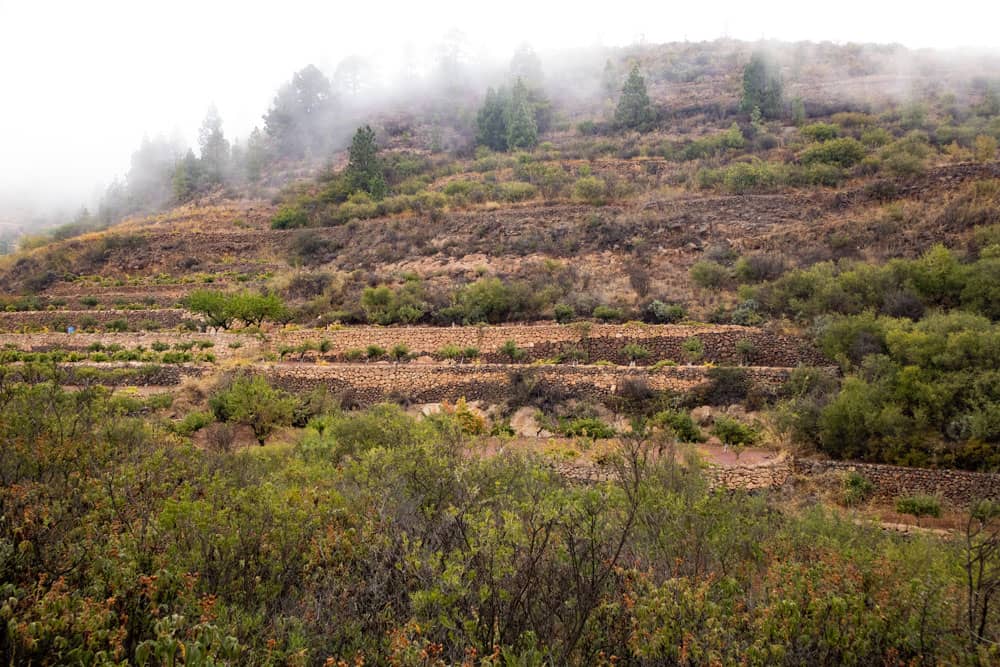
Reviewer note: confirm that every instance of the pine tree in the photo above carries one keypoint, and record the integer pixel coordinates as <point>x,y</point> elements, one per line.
<point>213,145</point>
<point>522,132</point>
<point>762,87</point>
<point>633,109</point>
<point>364,170</point>
<point>490,121</point>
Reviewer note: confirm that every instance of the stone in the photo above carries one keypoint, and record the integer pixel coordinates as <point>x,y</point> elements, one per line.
<point>525,424</point>
<point>702,415</point>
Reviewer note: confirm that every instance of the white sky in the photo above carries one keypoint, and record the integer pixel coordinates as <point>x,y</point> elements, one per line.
<point>81,81</point>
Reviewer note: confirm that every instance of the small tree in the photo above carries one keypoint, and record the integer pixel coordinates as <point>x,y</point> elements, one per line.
<point>399,352</point>
<point>364,169</point>
<point>762,87</point>
<point>522,131</point>
<point>251,401</point>
<point>634,110</point>
<point>490,123</point>
<point>214,306</point>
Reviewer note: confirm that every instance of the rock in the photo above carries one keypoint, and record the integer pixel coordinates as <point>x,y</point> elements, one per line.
<point>702,415</point>
<point>525,424</point>
<point>425,359</point>
<point>736,410</point>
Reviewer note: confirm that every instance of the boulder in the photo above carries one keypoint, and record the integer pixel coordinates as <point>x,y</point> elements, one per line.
<point>525,424</point>
<point>702,415</point>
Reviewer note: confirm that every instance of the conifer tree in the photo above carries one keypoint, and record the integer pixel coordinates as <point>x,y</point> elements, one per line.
<point>522,131</point>
<point>633,110</point>
<point>492,127</point>
<point>762,87</point>
<point>364,170</point>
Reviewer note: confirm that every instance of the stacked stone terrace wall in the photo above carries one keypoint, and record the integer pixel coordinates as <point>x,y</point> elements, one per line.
<point>957,487</point>
<point>431,383</point>
<point>45,342</point>
<point>602,342</point>
<point>164,318</point>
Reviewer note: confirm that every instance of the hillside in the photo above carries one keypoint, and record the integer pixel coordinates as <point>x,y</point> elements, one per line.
<point>469,390</point>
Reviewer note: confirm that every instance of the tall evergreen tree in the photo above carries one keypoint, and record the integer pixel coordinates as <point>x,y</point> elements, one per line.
<point>213,146</point>
<point>364,169</point>
<point>301,116</point>
<point>490,121</point>
<point>634,109</point>
<point>762,87</point>
<point>522,132</point>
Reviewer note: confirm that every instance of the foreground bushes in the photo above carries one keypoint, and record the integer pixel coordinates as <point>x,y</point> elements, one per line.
<point>377,537</point>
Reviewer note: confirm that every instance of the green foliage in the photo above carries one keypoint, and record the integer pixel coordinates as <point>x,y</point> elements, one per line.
<point>820,131</point>
<point>513,353</point>
<point>221,309</point>
<point>193,421</point>
<point>364,169</point>
<point>856,489</point>
<point>693,349</point>
<point>635,352</point>
<point>403,305</point>
<point>586,427</point>
<point>680,424</point>
<point>251,401</point>
<point>845,152</point>
<point>590,189</point>
<point>919,505</point>
<point>709,275</point>
<point>664,313</point>
<point>634,110</point>
<point>607,313</point>
<point>734,432</point>
<point>519,118</point>
<point>289,217</point>
<point>563,313</point>
<point>762,87</point>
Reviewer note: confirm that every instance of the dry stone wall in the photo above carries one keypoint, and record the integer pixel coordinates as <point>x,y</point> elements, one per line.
<point>601,342</point>
<point>58,320</point>
<point>431,383</point>
<point>957,487</point>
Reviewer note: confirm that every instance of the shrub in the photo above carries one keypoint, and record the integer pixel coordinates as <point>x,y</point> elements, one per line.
<point>919,505</point>
<point>693,349</point>
<point>289,217</point>
<point>193,421</point>
<point>586,427</point>
<point>680,423</point>
<point>664,313</point>
<point>374,352</point>
<point>251,401</point>
<point>733,432</point>
<point>399,352</point>
<point>607,313</point>
<point>563,312</point>
<point>856,489</point>
<point>635,352</point>
<point>591,190</point>
<point>845,152</point>
<point>512,351</point>
<point>709,275</point>
<point>515,191</point>
<point>820,131</point>
<point>759,267</point>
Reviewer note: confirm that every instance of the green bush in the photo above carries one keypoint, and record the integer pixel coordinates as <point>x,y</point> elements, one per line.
<point>193,421</point>
<point>919,505</point>
<point>709,275</point>
<point>289,217</point>
<point>733,432</point>
<point>856,489</point>
<point>820,131</point>
<point>680,423</point>
<point>591,190</point>
<point>515,191</point>
<point>607,313</point>
<point>845,152</point>
<point>586,427</point>
<point>563,312</point>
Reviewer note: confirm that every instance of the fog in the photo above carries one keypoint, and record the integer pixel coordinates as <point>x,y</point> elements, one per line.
<point>83,83</point>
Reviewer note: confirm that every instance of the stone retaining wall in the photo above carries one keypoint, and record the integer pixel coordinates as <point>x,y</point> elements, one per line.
<point>58,320</point>
<point>427,383</point>
<point>544,341</point>
<point>957,487</point>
